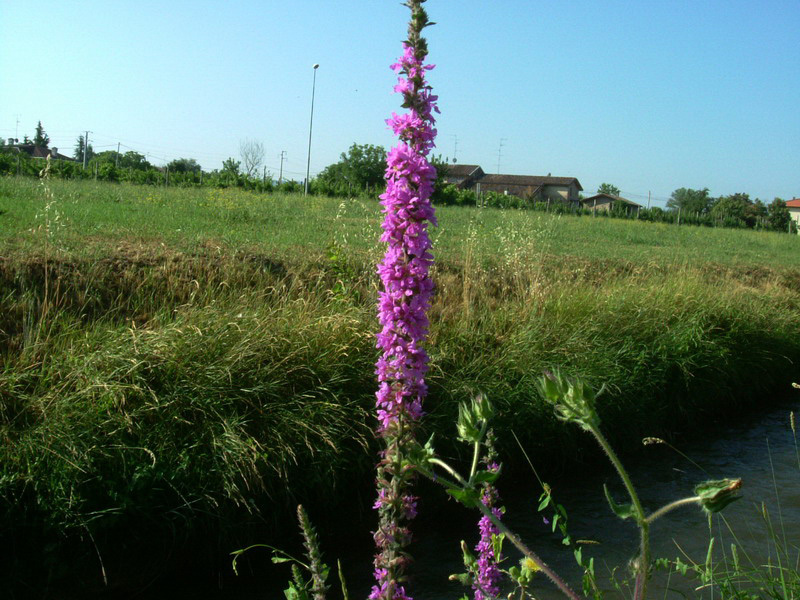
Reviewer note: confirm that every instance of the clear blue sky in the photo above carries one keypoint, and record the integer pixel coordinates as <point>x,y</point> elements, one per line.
<point>649,96</point>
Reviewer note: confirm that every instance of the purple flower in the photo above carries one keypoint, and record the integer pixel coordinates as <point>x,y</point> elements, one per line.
<point>488,577</point>
<point>403,304</point>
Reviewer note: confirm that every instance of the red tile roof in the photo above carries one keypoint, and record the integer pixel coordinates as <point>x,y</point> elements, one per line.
<point>794,203</point>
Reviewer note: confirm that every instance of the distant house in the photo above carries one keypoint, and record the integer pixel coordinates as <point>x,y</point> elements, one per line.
<point>538,188</point>
<point>40,151</point>
<point>463,176</point>
<point>794,210</point>
<point>607,202</point>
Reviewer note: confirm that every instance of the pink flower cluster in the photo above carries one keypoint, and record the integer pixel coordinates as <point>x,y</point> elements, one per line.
<point>402,310</point>
<point>489,576</point>
<point>407,287</point>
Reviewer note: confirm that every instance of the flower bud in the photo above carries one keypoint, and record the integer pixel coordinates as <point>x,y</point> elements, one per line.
<point>717,494</point>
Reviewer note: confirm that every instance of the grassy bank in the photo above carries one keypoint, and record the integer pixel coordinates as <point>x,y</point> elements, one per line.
<point>170,356</point>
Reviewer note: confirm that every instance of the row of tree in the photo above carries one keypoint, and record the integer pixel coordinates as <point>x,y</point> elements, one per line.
<point>735,210</point>
<point>361,170</point>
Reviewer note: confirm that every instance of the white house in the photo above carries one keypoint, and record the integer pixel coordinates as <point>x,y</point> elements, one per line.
<point>794,210</point>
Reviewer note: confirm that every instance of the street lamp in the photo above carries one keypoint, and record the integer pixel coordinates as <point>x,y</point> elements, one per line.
<point>310,125</point>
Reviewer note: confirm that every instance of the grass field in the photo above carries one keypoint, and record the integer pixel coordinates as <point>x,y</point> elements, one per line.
<point>176,354</point>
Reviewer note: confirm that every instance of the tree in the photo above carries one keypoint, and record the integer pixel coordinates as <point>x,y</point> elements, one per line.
<point>184,165</point>
<point>252,154</point>
<point>734,211</point>
<point>688,200</point>
<point>231,166</point>
<point>608,188</point>
<point>778,215</point>
<point>41,139</point>
<point>361,166</point>
<point>133,160</point>
<point>107,156</point>
<point>78,153</point>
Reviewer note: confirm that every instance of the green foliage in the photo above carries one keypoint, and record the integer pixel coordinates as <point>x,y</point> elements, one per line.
<point>184,165</point>
<point>41,139</point>
<point>690,201</point>
<point>231,166</point>
<point>362,167</point>
<point>80,146</point>
<point>608,188</point>
<point>134,160</point>
<point>735,210</point>
<point>779,218</point>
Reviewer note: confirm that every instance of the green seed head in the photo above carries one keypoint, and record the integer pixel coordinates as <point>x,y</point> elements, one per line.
<point>717,494</point>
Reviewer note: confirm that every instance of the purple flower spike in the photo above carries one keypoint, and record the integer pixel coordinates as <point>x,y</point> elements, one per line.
<point>403,304</point>
<point>489,577</point>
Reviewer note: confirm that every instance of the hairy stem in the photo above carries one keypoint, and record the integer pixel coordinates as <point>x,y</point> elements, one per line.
<point>672,506</point>
<point>512,537</point>
<point>641,519</point>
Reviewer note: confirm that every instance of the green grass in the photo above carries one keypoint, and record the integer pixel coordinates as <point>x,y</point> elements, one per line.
<point>93,215</point>
<point>173,354</point>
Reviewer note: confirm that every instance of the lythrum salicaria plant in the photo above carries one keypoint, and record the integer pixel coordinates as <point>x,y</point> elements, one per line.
<point>403,305</point>
<point>575,402</point>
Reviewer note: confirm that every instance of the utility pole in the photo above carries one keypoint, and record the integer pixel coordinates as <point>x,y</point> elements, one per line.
<point>116,162</point>
<point>455,149</point>
<point>264,178</point>
<point>310,125</point>
<point>85,148</point>
<point>648,199</point>
<point>280,177</point>
<point>16,132</point>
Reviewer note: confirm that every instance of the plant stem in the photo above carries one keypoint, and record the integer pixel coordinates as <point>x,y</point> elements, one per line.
<point>476,452</point>
<point>447,468</point>
<point>520,545</point>
<point>552,575</point>
<point>672,506</point>
<point>641,519</point>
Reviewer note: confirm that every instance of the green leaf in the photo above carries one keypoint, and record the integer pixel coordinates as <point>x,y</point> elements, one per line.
<point>467,426</point>
<point>280,559</point>
<point>469,498</point>
<point>623,511</point>
<point>486,476</point>
<point>544,503</point>
<point>497,543</point>
<point>469,558</point>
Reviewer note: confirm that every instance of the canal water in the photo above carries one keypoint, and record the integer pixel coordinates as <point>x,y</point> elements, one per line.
<point>763,451</point>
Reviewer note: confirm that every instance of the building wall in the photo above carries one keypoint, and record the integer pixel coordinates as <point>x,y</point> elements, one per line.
<point>795,213</point>
<point>601,205</point>
<point>561,193</point>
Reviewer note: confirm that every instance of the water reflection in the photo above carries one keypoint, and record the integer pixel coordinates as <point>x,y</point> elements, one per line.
<point>763,453</point>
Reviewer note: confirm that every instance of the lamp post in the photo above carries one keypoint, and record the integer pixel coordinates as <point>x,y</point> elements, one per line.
<point>310,125</point>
